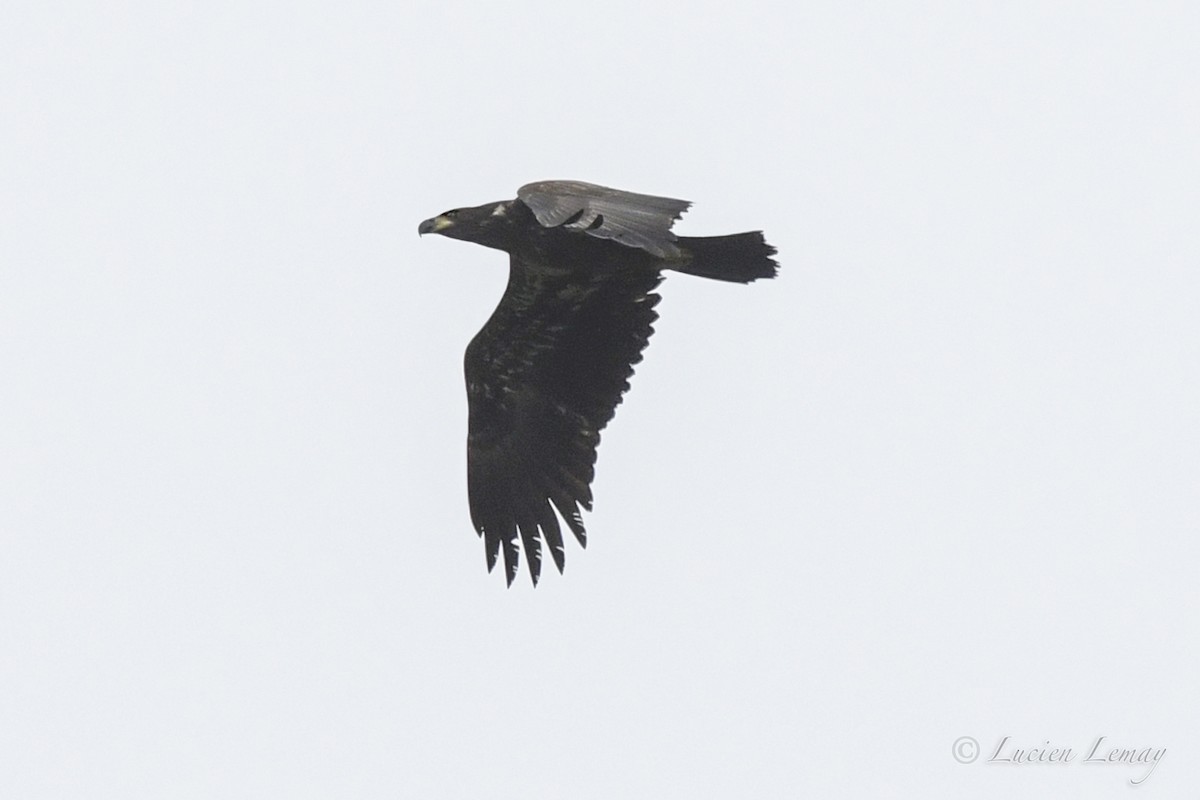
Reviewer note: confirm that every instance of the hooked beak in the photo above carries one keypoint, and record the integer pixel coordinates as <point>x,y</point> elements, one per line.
<point>435,225</point>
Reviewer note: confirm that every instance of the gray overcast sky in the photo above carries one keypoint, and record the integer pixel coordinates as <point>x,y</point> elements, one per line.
<point>937,480</point>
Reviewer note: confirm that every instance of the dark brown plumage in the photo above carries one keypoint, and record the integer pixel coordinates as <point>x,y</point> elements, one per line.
<point>547,371</point>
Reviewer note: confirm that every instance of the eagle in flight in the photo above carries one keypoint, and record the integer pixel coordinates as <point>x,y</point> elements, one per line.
<point>545,374</point>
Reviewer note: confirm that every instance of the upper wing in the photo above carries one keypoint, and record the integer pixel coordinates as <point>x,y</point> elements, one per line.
<point>544,377</point>
<point>636,220</point>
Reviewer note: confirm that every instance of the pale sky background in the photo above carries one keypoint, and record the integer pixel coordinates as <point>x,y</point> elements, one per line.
<point>937,480</point>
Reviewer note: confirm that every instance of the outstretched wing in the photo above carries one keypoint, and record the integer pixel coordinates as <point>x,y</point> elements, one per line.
<point>544,377</point>
<point>635,220</point>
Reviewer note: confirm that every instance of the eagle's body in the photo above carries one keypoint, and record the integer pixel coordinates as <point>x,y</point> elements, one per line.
<point>545,374</point>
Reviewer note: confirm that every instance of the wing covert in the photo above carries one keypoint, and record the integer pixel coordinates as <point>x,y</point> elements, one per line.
<point>635,220</point>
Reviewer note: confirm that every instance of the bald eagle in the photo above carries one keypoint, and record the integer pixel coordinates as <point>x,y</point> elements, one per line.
<point>545,374</point>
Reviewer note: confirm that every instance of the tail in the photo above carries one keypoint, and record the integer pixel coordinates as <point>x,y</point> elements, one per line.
<point>739,257</point>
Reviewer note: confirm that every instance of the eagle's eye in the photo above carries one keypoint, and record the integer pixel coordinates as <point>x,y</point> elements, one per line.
<point>451,213</point>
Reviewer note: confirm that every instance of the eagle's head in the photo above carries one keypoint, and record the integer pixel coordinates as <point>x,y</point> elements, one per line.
<point>491,225</point>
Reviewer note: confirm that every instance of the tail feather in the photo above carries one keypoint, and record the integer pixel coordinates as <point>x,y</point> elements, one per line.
<point>739,257</point>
